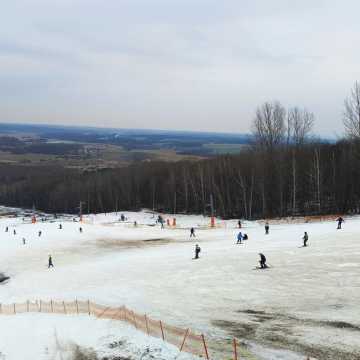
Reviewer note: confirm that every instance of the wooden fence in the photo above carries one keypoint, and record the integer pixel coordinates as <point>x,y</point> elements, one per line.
<point>185,339</point>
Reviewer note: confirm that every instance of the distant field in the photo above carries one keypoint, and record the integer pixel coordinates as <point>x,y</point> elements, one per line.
<point>97,148</point>
<point>95,156</point>
<point>226,148</point>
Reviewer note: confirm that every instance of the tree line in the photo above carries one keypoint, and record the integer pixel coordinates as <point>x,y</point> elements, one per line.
<point>285,172</point>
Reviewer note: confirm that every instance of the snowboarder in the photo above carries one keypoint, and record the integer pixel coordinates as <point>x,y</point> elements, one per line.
<point>262,261</point>
<point>50,262</point>
<point>267,227</point>
<point>197,251</point>
<point>239,238</point>
<point>239,224</point>
<point>340,220</point>
<point>245,237</point>
<point>7,229</point>
<point>39,233</point>
<point>192,232</point>
<point>305,238</point>
<point>80,229</point>
<point>24,241</point>
<point>60,226</point>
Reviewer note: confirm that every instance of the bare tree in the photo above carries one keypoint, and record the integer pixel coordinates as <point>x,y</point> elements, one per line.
<point>300,124</point>
<point>352,113</point>
<point>269,125</point>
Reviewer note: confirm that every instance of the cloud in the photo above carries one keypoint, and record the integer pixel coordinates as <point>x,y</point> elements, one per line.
<point>200,64</point>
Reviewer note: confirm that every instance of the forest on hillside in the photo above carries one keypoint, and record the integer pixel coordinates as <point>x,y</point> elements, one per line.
<point>315,178</point>
<point>286,172</point>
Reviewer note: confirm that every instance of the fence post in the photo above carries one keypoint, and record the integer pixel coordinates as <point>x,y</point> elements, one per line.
<point>0,308</point>
<point>51,305</point>
<point>162,331</point>
<point>89,308</point>
<point>235,350</point>
<point>40,306</point>
<point>133,314</point>
<point>205,347</point>
<point>183,342</point>
<point>14,309</point>
<point>147,325</point>
<point>77,306</point>
<point>64,307</point>
<point>27,305</point>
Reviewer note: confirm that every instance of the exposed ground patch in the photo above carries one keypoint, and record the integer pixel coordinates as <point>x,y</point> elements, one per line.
<point>128,244</point>
<point>279,331</point>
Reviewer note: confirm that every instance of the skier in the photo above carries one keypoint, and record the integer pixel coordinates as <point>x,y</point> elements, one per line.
<point>239,224</point>
<point>267,227</point>
<point>60,226</point>
<point>197,251</point>
<point>50,262</point>
<point>24,241</point>
<point>135,223</point>
<point>39,233</point>
<point>305,238</point>
<point>239,238</point>
<point>80,229</point>
<point>245,237</point>
<point>340,220</point>
<point>7,229</point>
<point>122,217</point>
<point>262,261</point>
<point>192,232</point>
<point>14,232</point>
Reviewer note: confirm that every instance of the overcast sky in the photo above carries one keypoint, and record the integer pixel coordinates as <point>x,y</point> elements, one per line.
<point>175,64</point>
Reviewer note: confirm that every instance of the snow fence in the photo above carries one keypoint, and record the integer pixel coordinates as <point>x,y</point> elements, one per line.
<point>185,339</point>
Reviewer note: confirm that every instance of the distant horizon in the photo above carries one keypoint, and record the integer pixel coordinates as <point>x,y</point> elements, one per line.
<point>84,126</point>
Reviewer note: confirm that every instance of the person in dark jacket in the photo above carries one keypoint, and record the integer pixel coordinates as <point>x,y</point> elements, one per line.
<point>262,261</point>
<point>50,262</point>
<point>340,220</point>
<point>197,251</point>
<point>239,238</point>
<point>192,232</point>
<point>267,228</point>
<point>245,237</point>
<point>305,238</point>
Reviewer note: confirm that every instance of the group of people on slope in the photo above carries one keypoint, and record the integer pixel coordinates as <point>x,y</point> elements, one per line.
<point>241,237</point>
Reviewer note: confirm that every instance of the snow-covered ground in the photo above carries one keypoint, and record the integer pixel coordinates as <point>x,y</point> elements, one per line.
<point>307,302</point>
<point>55,337</point>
